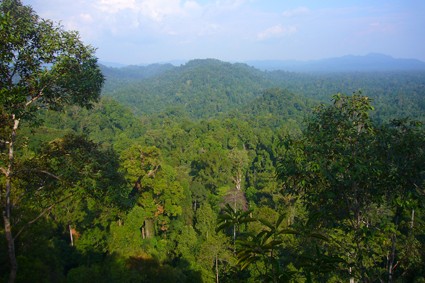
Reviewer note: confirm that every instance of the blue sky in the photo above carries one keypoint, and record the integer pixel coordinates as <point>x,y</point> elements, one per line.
<point>150,31</point>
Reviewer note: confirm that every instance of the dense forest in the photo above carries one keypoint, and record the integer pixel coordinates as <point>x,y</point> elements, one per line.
<point>205,172</point>
<point>208,88</point>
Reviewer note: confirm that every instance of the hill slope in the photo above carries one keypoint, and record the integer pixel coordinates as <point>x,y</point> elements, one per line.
<point>202,88</point>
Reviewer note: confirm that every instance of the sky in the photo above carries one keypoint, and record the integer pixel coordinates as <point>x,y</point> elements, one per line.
<point>156,31</point>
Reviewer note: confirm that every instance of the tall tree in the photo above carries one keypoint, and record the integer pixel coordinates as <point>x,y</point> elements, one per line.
<point>234,219</point>
<point>359,181</point>
<point>330,169</point>
<point>42,66</point>
<point>401,147</point>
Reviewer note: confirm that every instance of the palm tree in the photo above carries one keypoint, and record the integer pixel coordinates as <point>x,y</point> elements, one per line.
<point>234,219</point>
<point>264,247</point>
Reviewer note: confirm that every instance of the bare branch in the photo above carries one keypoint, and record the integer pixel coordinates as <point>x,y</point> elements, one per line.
<point>50,174</point>
<point>35,98</point>
<point>43,172</point>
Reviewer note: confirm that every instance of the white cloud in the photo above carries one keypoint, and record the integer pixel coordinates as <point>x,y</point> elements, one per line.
<point>114,6</point>
<point>86,18</point>
<point>155,10</point>
<point>229,4</point>
<point>296,12</point>
<point>191,6</point>
<point>276,32</point>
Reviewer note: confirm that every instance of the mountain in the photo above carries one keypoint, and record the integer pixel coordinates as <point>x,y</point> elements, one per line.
<point>209,88</point>
<point>134,72</point>
<point>111,64</point>
<point>369,63</point>
<point>202,88</point>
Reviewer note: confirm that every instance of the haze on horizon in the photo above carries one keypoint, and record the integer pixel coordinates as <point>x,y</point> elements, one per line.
<point>151,31</point>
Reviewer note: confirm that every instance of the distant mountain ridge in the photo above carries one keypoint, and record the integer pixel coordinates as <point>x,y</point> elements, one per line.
<point>206,88</point>
<point>349,63</point>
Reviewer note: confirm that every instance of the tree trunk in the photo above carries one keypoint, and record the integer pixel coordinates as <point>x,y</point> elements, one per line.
<point>393,248</point>
<point>11,248</point>
<point>149,228</point>
<point>392,259</point>
<point>234,238</point>
<point>8,206</point>
<point>216,269</point>
<point>238,180</point>
<point>351,277</point>
<point>143,232</point>
<point>71,238</point>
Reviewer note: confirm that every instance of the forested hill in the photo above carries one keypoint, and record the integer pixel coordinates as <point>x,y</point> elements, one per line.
<point>202,88</point>
<point>208,88</point>
<point>134,72</point>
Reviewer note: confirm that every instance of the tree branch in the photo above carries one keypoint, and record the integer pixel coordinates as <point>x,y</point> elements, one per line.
<point>40,215</point>
<point>35,98</point>
<point>49,174</point>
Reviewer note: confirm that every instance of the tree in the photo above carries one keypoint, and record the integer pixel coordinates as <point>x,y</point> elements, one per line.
<point>73,187</point>
<point>211,166</point>
<point>156,188</point>
<point>42,66</point>
<point>265,247</point>
<point>360,182</point>
<point>401,147</point>
<point>239,163</point>
<point>234,219</point>
<point>330,168</point>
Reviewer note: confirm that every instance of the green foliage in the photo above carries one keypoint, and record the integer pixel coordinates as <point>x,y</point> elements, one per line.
<point>396,94</point>
<point>344,173</point>
<point>125,236</point>
<point>208,88</point>
<point>203,88</point>
<point>187,192</point>
<point>156,187</point>
<point>233,219</point>
<point>41,63</point>
<point>42,66</point>
<point>72,165</point>
<point>206,220</point>
<point>335,158</point>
